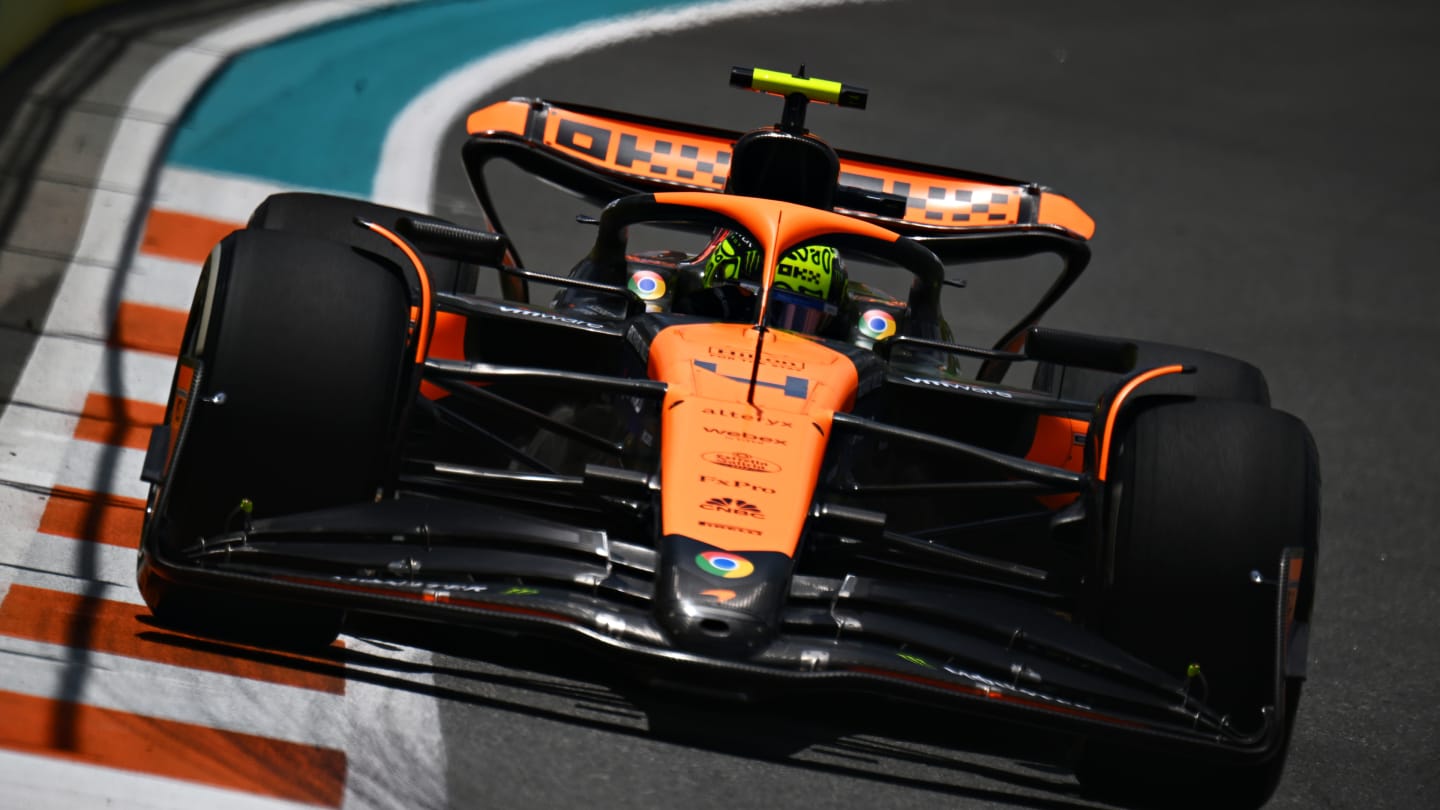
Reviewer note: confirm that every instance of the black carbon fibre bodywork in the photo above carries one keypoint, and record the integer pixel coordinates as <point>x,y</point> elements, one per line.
<point>943,553</point>
<point>877,603</point>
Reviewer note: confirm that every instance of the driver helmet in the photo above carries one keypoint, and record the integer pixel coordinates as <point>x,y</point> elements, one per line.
<point>809,281</point>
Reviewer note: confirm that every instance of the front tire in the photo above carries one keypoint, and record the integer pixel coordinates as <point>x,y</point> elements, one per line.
<point>333,218</point>
<point>301,348</point>
<point>1205,493</point>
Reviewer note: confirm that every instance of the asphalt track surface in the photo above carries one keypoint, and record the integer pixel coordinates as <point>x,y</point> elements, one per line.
<point>1264,182</point>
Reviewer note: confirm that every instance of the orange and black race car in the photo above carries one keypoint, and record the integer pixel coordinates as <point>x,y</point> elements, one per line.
<point>738,464</point>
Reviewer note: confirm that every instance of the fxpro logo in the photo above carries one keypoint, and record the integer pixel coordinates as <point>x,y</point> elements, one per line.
<point>735,483</point>
<point>955,386</point>
<point>734,506</point>
<point>745,416</point>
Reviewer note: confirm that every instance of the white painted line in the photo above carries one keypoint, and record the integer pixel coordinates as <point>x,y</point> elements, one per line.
<point>103,468</point>
<point>132,136</point>
<point>269,25</point>
<point>123,590</point>
<point>405,177</point>
<point>77,566</point>
<point>213,195</point>
<point>397,754</point>
<point>89,304</point>
<point>20,513</point>
<point>53,380</point>
<point>42,783</point>
<point>165,90</point>
<point>252,706</point>
<point>36,450</point>
<point>160,282</point>
<point>143,376</point>
<point>152,689</point>
<point>107,223</point>
<point>34,443</point>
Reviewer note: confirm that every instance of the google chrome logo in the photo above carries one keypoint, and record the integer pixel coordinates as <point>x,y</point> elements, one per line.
<point>877,324</point>
<point>647,284</point>
<point>722,564</point>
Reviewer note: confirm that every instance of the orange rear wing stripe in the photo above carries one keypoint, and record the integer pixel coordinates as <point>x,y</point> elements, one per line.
<point>662,154</point>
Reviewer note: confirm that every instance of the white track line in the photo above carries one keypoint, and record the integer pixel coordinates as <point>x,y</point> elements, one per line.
<point>37,452</point>
<point>78,312</point>
<point>50,563</point>
<point>81,469</point>
<point>225,197</point>
<point>151,689</point>
<point>34,443</point>
<point>160,282</point>
<point>144,377</point>
<point>43,783</point>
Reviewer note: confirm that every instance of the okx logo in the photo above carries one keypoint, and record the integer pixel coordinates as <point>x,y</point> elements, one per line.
<point>734,506</point>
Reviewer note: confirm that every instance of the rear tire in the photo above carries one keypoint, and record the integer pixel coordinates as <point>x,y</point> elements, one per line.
<point>305,339</point>
<point>1206,492</point>
<point>1216,375</point>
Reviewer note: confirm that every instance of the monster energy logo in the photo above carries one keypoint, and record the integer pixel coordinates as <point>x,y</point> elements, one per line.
<point>727,263</point>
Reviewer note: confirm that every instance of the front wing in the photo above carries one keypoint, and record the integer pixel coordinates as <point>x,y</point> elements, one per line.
<point>968,649</point>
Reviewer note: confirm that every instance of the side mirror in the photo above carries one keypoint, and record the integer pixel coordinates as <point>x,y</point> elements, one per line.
<point>1078,349</point>
<point>454,241</point>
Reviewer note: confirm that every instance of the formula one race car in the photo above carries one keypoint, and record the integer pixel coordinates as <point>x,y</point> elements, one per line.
<point>738,463</point>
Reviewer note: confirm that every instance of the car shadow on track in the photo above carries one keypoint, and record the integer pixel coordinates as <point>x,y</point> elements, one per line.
<point>893,744</point>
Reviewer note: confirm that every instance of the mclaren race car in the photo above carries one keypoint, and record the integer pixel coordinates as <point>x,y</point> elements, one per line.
<point>740,462</point>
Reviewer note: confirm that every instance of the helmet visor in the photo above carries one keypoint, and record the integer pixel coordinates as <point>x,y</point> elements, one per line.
<point>798,313</point>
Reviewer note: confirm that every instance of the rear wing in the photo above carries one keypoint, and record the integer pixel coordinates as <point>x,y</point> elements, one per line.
<point>619,153</point>
<point>602,155</point>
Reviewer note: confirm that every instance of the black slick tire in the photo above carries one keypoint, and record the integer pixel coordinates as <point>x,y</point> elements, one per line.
<point>330,217</point>
<point>1205,493</point>
<point>301,343</point>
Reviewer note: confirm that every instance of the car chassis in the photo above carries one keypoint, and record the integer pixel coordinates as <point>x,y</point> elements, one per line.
<point>900,583</point>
